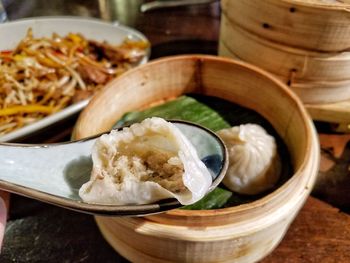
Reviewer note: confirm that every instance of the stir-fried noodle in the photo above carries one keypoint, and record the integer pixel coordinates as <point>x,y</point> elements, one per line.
<point>44,75</point>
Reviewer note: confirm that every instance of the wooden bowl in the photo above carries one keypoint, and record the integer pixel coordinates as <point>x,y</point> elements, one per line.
<point>243,233</point>
<point>312,24</point>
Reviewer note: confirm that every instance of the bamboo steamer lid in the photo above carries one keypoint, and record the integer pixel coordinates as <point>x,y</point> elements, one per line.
<point>312,24</point>
<point>244,233</point>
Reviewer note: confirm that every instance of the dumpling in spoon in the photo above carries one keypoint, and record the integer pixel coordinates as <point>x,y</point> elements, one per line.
<point>254,163</point>
<point>147,162</point>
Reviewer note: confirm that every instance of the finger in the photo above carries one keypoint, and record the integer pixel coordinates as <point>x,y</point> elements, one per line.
<point>6,197</point>
<point>3,218</point>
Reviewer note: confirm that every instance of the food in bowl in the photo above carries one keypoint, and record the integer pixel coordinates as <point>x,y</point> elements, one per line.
<point>254,161</point>
<point>46,74</point>
<point>254,153</point>
<point>145,163</point>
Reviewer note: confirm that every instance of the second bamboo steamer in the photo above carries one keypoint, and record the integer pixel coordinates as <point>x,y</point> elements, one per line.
<point>321,25</point>
<point>316,76</point>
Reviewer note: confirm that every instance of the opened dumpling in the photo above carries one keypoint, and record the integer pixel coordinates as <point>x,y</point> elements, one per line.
<point>147,162</point>
<point>254,164</point>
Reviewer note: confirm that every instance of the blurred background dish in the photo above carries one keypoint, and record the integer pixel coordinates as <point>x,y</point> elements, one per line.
<point>91,29</point>
<point>3,14</point>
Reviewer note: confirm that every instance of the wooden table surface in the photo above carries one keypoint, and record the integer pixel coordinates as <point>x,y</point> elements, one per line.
<point>38,232</point>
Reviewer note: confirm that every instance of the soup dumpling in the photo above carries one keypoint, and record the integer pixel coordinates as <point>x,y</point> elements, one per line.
<point>144,163</point>
<point>254,164</point>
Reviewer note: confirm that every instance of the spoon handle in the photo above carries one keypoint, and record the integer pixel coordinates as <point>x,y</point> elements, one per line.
<point>44,168</point>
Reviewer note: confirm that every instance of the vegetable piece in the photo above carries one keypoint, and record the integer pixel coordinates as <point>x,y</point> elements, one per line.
<point>26,109</point>
<point>183,108</point>
<point>214,200</point>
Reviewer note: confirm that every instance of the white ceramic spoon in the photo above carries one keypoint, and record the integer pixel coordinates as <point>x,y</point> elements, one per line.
<point>53,173</point>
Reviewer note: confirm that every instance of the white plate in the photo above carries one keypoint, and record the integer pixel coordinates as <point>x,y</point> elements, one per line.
<point>11,33</point>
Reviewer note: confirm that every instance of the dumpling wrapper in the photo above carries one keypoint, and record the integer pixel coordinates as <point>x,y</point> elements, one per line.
<point>145,163</point>
<point>254,163</point>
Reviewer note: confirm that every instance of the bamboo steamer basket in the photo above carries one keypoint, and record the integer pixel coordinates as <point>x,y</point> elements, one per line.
<point>284,60</point>
<point>316,77</point>
<point>311,92</point>
<point>319,92</point>
<point>243,233</point>
<point>321,25</point>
